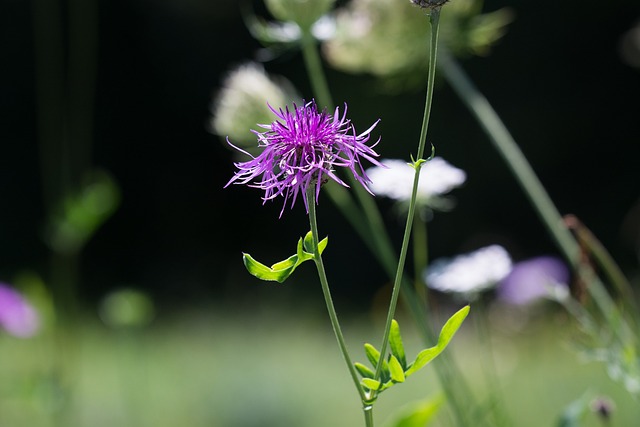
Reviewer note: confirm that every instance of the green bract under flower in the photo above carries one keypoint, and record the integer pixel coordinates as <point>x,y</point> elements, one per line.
<point>303,12</point>
<point>389,38</point>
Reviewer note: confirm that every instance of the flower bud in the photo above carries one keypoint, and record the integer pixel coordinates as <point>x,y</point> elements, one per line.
<point>303,12</point>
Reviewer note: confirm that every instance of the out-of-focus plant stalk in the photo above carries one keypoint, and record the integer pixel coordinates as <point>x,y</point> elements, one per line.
<point>65,83</point>
<point>533,188</point>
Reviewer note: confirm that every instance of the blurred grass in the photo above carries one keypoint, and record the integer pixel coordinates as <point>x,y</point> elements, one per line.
<point>280,367</point>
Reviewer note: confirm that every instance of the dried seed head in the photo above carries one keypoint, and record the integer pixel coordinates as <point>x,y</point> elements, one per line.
<point>429,4</point>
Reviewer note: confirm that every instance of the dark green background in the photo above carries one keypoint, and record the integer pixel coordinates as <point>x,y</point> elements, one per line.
<point>556,79</point>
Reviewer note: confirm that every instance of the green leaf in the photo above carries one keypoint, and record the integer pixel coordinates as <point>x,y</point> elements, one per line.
<point>364,370</point>
<point>446,334</point>
<point>395,341</point>
<point>374,355</point>
<point>308,243</point>
<point>279,272</point>
<point>371,384</point>
<point>396,370</point>
<point>416,414</point>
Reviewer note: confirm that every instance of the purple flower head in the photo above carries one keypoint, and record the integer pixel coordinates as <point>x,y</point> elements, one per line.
<point>17,316</point>
<point>533,280</point>
<point>302,148</point>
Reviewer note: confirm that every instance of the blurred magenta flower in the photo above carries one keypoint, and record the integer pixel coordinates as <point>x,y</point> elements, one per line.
<point>533,280</point>
<point>471,273</point>
<point>302,149</point>
<point>17,316</point>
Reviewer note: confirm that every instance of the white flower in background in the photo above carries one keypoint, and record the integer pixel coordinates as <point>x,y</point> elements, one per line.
<point>470,273</point>
<point>395,180</point>
<point>242,102</point>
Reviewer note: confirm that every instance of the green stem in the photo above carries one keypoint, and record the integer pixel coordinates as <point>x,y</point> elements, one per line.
<point>333,316</point>
<point>533,188</point>
<point>435,24</point>
<point>314,69</point>
<point>374,234</point>
<point>420,255</point>
<point>368,415</point>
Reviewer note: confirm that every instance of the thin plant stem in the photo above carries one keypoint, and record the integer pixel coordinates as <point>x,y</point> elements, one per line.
<point>434,19</point>
<point>376,237</point>
<point>533,188</point>
<point>420,255</point>
<point>333,316</point>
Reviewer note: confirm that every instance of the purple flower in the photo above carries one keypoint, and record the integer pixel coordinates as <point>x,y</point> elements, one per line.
<point>302,148</point>
<point>533,280</point>
<point>17,316</point>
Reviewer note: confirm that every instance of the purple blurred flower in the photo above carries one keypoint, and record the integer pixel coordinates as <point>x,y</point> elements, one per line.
<point>303,148</point>
<point>534,279</point>
<point>17,316</point>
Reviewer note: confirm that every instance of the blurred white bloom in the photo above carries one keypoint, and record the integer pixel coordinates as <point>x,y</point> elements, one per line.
<point>303,12</point>
<point>242,102</point>
<point>437,177</point>
<point>470,273</point>
<point>365,28</point>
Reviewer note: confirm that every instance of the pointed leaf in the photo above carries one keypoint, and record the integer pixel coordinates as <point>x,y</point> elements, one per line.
<point>446,334</point>
<point>396,370</point>
<point>451,327</point>
<point>371,384</point>
<point>263,272</point>
<point>374,355</point>
<point>308,243</point>
<point>302,254</point>
<point>364,370</point>
<point>291,262</point>
<point>395,341</point>
<point>424,357</point>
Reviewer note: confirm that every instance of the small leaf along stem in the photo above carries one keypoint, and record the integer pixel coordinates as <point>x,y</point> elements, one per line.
<point>333,316</point>
<point>434,18</point>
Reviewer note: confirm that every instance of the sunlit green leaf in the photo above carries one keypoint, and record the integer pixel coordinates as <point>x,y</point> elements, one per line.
<point>395,341</point>
<point>263,272</point>
<point>364,370</point>
<point>280,271</point>
<point>446,334</point>
<point>396,370</point>
<point>308,243</point>
<point>288,263</point>
<point>371,384</point>
<point>374,355</point>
